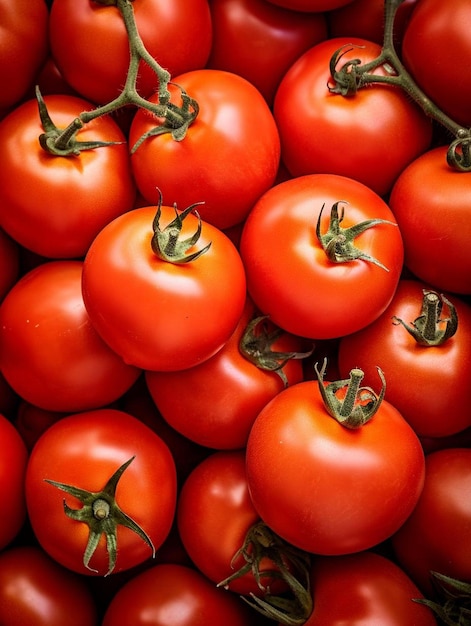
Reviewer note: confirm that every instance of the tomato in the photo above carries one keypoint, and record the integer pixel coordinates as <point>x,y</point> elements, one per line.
<point>228,158</point>
<point>86,36</point>
<point>177,595</point>
<point>165,315</point>
<point>222,419</point>
<point>260,41</point>
<point>434,221</point>
<point>328,488</point>
<point>13,459</point>
<point>435,405</point>
<point>437,52</point>
<point>9,263</point>
<point>374,590</point>
<point>85,450</point>
<point>436,537</point>
<point>371,136</point>
<point>327,299</point>
<point>50,353</point>
<point>23,47</point>
<point>37,591</point>
<point>55,205</point>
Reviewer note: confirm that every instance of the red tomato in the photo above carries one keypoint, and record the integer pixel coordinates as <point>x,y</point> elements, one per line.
<point>425,383</point>
<point>85,450</point>
<point>370,137</point>
<point>84,36</point>
<point>13,459</point>
<point>222,419</point>
<point>9,263</point>
<point>165,315</point>
<point>177,595</point>
<point>37,591</point>
<point>374,591</point>
<point>326,488</point>
<point>436,50</point>
<point>55,205</point>
<point>260,41</point>
<point>436,537</point>
<point>228,158</point>
<point>50,353</point>
<point>434,221</point>
<point>326,299</point>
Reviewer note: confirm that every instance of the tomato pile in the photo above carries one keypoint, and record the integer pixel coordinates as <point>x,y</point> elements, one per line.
<point>235,312</point>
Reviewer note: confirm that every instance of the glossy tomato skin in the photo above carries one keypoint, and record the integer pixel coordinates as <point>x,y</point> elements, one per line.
<point>215,403</point>
<point>9,263</point>
<point>370,137</point>
<point>327,299</point>
<point>85,36</point>
<point>260,41</point>
<point>425,383</point>
<point>374,591</point>
<point>228,158</point>
<point>13,459</point>
<point>164,316</point>
<point>84,450</point>
<point>436,535</point>
<point>177,595</point>
<point>325,488</point>
<point>434,221</point>
<point>37,591</point>
<point>54,205</point>
<point>50,353</point>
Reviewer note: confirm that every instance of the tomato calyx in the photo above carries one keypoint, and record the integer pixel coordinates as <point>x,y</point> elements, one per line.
<point>290,564</point>
<point>256,346</point>
<point>166,242</point>
<point>356,405</point>
<point>429,329</point>
<point>102,515</point>
<point>453,605</point>
<point>338,242</point>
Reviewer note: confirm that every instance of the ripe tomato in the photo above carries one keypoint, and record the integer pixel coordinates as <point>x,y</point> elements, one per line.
<point>13,459</point>
<point>228,158</point>
<point>9,263</point>
<point>55,205</point>
<point>326,488</point>
<point>327,299</point>
<point>370,136</point>
<point>85,450</point>
<point>84,36</point>
<point>50,353</point>
<point>434,221</point>
<point>37,591</point>
<point>165,315</point>
<point>425,383</point>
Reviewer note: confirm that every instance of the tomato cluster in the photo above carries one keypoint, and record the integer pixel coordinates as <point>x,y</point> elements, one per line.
<point>235,312</point>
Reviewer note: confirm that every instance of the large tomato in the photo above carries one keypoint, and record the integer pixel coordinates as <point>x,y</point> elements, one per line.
<point>79,490</point>
<point>290,275</point>
<point>55,205</point>
<point>370,136</point>
<point>91,48</point>
<point>165,314</point>
<point>50,353</point>
<point>228,158</point>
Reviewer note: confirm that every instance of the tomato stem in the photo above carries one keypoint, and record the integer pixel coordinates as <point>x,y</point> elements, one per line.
<point>352,76</point>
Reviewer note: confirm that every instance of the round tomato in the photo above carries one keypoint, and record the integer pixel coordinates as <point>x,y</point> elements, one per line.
<point>95,475</point>
<point>166,314</point>
<point>328,488</point>
<point>434,221</point>
<point>84,36</point>
<point>371,136</point>
<point>37,591</point>
<point>50,353</point>
<point>293,231</point>
<point>13,459</point>
<point>9,263</point>
<point>228,158</point>
<point>55,205</point>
